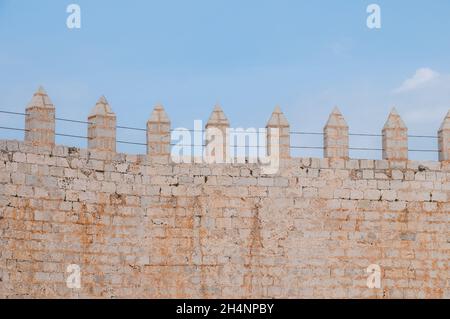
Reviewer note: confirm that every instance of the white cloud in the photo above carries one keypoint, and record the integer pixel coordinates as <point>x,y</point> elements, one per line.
<point>418,80</point>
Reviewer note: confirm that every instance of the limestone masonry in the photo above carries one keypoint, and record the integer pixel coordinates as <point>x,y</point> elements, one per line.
<point>143,226</point>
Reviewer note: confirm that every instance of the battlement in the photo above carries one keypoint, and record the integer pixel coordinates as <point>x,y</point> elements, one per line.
<point>40,131</point>
<point>146,226</point>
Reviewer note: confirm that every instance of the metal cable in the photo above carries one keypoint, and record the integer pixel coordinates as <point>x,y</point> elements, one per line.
<point>13,129</point>
<point>202,131</point>
<point>131,128</point>
<point>70,135</point>
<point>203,145</point>
<point>73,121</point>
<point>192,130</point>
<point>132,143</point>
<point>13,113</point>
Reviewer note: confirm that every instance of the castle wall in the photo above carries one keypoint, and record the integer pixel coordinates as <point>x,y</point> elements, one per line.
<point>144,226</point>
<point>138,228</point>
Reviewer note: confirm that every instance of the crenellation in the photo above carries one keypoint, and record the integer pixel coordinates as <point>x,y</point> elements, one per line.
<point>395,138</point>
<point>444,139</point>
<point>145,226</point>
<point>40,120</point>
<point>158,135</point>
<point>336,138</point>
<point>217,137</point>
<point>278,135</point>
<point>102,129</point>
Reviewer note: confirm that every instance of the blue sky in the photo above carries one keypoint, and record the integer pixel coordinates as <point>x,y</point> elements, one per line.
<point>249,56</point>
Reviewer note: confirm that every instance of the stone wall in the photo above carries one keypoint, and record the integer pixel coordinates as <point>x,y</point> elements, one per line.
<point>143,226</point>
<point>148,230</point>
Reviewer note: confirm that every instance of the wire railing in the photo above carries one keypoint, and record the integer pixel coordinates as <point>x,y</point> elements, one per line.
<point>60,119</point>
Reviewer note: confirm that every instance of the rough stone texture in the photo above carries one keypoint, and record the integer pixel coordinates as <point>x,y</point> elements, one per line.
<point>395,138</point>
<point>40,120</point>
<point>158,134</point>
<point>148,230</point>
<point>102,127</point>
<point>282,138</point>
<point>217,136</point>
<point>336,136</point>
<point>444,139</point>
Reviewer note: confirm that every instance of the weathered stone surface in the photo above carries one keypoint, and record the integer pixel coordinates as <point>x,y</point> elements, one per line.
<point>282,134</point>
<point>395,138</point>
<point>158,134</point>
<point>40,120</point>
<point>102,127</point>
<point>444,139</point>
<point>217,136</point>
<point>336,136</point>
<point>143,229</point>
